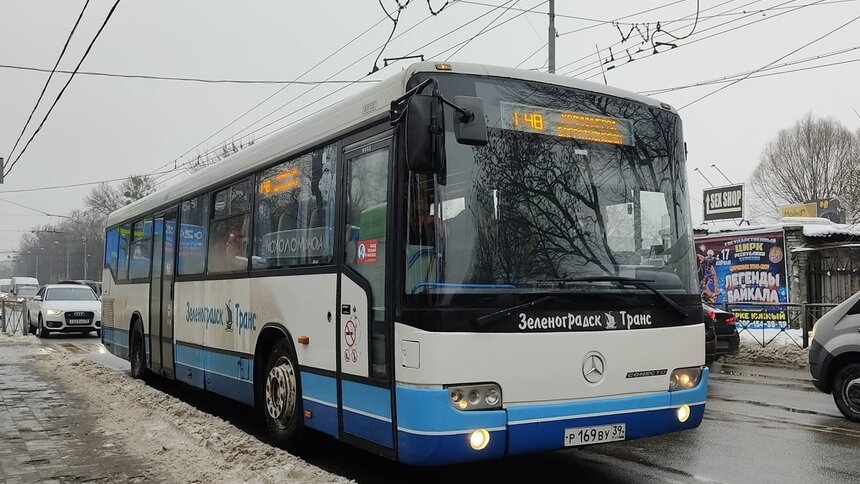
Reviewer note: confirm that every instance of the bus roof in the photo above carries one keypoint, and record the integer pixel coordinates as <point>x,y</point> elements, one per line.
<point>362,106</point>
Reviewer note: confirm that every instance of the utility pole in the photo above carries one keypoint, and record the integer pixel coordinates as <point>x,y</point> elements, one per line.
<point>551,39</point>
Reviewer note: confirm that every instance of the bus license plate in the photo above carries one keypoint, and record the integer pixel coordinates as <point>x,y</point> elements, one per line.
<point>79,321</point>
<point>594,435</point>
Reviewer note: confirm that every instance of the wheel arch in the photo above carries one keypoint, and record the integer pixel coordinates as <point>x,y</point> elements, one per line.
<point>840,362</point>
<point>270,334</point>
<point>135,318</point>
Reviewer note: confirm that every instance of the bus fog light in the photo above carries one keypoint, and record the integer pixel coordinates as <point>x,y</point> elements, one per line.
<point>683,413</point>
<point>685,378</point>
<point>479,439</point>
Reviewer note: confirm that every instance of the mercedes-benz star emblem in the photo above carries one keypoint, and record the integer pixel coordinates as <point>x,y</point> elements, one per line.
<point>593,367</point>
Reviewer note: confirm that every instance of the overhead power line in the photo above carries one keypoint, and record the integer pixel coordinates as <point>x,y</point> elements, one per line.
<point>184,79</point>
<point>480,32</point>
<point>72,185</point>
<point>267,98</point>
<point>31,208</point>
<point>771,63</point>
<point>730,77</point>
<point>60,95</point>
<point>48,81</point>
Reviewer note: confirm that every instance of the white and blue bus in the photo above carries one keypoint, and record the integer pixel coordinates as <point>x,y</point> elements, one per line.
<point>461,262</point>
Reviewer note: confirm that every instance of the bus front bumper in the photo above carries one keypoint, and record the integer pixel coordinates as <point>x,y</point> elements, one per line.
<point>431,432</point>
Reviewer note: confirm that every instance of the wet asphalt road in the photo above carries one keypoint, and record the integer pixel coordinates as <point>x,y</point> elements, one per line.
<point>761,425</point>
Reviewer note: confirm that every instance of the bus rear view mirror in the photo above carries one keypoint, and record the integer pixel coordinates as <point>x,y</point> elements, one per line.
<point>471,126</point>
<point>425,134</point>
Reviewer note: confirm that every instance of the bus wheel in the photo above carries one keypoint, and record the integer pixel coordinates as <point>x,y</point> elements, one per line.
<point>137,355</point>
<point>282,399</point>
<point>846,391</point>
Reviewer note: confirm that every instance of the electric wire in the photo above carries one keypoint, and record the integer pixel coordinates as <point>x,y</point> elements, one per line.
<point>72,185</point>
<point>252,109</point>
<point>728,78</point>
<point>48,81</point>
<point>184,79</point>
<point>831,32</point>
<point>480,32</point>
<point>60,95</point>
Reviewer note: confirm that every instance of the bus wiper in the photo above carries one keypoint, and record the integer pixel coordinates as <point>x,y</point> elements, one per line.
<point>627,281</point>
<point>503,313</point>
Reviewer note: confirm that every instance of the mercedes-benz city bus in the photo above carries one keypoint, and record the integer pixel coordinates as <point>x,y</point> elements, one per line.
<point>461,262</point>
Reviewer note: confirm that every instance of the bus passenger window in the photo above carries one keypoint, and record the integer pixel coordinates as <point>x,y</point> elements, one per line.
<point>122,253</point>
<point>295,212</point>
<point>228,238</point>
<point>192,236</point>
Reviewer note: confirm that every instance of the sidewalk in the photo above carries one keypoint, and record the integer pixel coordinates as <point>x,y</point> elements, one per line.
<point>48,436</point>
<point>776,372</point>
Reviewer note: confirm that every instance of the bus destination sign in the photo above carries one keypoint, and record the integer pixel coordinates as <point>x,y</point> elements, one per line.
<point>566,124</point>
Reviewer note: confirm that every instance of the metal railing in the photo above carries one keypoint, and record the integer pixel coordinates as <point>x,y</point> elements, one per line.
<point>12,319</point>
<point>781,317</point>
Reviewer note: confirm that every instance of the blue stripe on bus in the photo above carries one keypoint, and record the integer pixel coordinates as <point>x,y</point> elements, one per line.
<point>421,410</point>
<point>432,432</point>
<point>369,399</point>
<point>116,341</point>
<point>367,412</point>
<point>223,373</point>
<point>422,449</point>
<point>319,396</point>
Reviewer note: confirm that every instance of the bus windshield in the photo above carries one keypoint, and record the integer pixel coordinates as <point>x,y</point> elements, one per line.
<point>573,184</point>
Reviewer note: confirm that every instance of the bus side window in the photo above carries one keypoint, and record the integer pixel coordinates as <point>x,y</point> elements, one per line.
<point>111,243</point>
<point>122,252</point>
<point>294,213</point>
<point>192,236</point>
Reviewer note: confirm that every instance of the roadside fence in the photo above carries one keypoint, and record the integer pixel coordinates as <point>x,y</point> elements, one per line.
<point>12,317</point>
<point>766,322</point>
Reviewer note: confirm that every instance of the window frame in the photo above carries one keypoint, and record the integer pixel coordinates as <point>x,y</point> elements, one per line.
<point>132,240</point>
<point>212,219</point>
<point>206,195</point>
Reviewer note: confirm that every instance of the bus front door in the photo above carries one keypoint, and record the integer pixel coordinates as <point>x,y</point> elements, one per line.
<point>161,295</point>
<point>364,374</point>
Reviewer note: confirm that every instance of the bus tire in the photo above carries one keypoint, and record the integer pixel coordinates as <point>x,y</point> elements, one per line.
<point>281,395</point>
<point>137,353</point>
<point>846,391</point>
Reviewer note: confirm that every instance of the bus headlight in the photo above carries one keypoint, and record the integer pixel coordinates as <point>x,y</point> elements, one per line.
<point>476,397</point>
<point>685,378</point>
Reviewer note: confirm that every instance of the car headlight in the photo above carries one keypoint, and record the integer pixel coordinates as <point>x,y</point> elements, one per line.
<point>685,378</point>
<point>476,397</point>
<point>99,312</point>
<point>53,312</point>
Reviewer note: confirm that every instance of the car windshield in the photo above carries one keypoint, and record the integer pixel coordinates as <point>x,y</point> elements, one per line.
<point>26,291</point>
<point>572,184</point>
<point>70,294</point>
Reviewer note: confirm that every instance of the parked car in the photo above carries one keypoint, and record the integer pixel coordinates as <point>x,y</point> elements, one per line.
<point>24,287</point>
<point>65,308</point>
<point>726,339</point>
<point>5,285</point>
<point>96,286</point>
<point>834,356</point>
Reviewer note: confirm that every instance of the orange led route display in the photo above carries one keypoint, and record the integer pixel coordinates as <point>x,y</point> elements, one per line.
<point>566,124</point>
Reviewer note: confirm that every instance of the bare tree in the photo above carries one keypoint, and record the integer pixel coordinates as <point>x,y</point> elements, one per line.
<point>104,199</point>
<point>136,187</point>
<point>814,159</point>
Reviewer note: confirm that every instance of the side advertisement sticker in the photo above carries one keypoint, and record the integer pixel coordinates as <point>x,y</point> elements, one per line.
<point>745,269</point>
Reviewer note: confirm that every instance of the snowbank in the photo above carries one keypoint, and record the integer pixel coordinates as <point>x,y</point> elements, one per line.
<point>182,443</point>
<point>776,353</point>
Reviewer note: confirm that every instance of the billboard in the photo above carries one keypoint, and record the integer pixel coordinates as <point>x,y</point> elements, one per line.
<point>724,203</point>
<point>748,272</point>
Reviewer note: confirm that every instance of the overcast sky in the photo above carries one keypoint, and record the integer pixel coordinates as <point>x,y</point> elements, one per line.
<point>107,128</point>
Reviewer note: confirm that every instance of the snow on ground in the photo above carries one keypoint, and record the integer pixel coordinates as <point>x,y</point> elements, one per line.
<point>183,443</point>
<point>780,348</point>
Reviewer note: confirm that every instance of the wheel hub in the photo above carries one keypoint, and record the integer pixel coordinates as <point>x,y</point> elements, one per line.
<point>281,392</point>
<point>852,394</point>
